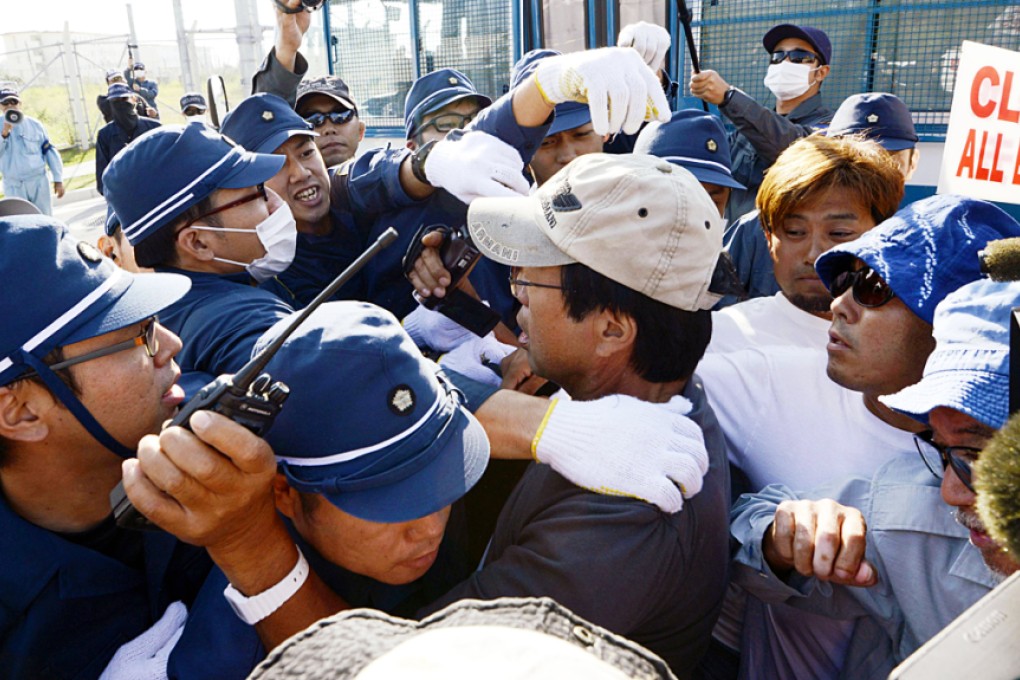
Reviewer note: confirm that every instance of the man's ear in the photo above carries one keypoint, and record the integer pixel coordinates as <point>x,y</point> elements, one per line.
<point>105,245</point>
<point>615,332</point>
<point>361,136</point>
<point>195,244</point>
<point>21,407</point>
<point>287,499</point>
<point>822,73</point>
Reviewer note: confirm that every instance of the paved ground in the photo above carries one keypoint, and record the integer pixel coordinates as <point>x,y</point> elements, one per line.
<point>84,216</point>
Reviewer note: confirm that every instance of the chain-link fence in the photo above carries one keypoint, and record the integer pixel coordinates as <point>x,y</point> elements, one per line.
<point>380,48</point>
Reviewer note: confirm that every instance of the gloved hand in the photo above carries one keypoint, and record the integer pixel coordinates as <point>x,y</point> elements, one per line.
<point>650,41</point>
<point>145,657</point>
<point>473,164</point>
<point>431,329</point>
<point>622,446</point>
<point>471,357</point>
<point>619,88</point>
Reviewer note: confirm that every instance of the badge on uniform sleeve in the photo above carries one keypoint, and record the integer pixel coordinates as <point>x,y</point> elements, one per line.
<point>873,118</point>
<point>89,252</point>
<point>267,116</point>
<point>711,145</point>
<point>401,400</point>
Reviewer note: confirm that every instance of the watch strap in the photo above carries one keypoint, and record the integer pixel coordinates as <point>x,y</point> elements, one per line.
<point>418,158</point>
<point>253,609</point>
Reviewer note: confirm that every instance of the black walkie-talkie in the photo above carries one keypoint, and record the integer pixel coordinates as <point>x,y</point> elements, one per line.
<point>249,397</point>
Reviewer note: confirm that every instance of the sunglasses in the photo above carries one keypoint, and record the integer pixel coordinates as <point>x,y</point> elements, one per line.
<point>260,192</point>
<point>938,457</point>
<point>448,122</point>
<point>317,120</point>
<point>870,290</point>
<point>795,56</point>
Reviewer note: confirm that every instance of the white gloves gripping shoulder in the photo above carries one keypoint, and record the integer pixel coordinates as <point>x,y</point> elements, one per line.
<point>473,358</point>
<point>622,446</point>
<point>619,88</point>
<point>145,657</point>
<point>473,164</point>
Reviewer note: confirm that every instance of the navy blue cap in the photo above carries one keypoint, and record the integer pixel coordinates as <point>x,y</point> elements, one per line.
<point>369,425</point>
<point>193,100</point>
<point>119,91</point>
<point>569,115</point>
<point>12,205</point>
<point>435,90</point>
<point>815,36</point>
<point>8,93</point>
<point>263,122</point>
<point>329,86</point>
<point>926,250</point>
<point>139,66</point>
<point>193,162</point>
<point>879,116</point>
<point>692,139</point>
<point>112,73</point>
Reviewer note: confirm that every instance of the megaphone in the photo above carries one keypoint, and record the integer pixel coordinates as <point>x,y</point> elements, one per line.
<point>13,116</point>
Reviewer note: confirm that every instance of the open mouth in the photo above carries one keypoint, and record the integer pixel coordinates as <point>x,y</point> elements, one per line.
<point>308,195</point>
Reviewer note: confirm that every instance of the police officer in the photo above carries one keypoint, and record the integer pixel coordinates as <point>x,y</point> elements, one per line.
<point>25,151</point>
<point>126,126</point>
<point>146,88</point>
<point>193,107</point>
<point>326,103</point>
<point>206,215</point>
<point>85,371</point>
<point>327,240</point>
<point>799,61</point>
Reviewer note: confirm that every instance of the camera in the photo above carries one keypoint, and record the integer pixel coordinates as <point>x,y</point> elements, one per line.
<point>13,116</point>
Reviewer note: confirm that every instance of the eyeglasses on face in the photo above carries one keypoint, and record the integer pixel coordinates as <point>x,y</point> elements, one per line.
<point>448,122</point>
<point>938,457</point>
<point>147,338</point>
<point>517,285</point>
<point>260,192</point>
<point>317,120</point>
<point>870,289</point>
<point>797,56</point>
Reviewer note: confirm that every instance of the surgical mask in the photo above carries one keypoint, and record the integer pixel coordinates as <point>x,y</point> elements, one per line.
<point>277,234</point>
<point>787,80</point>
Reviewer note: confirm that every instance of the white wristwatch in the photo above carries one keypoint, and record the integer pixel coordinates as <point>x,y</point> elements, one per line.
<point>253,609</point>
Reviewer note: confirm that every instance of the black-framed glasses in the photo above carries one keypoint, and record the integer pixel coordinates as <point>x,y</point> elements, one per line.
<point>448,122</point>
<point>260,192</point>
<point>517,285</point>
<point>797,56</point>
<point>938,457</point>
<point>147,339</point>
<point>870,289</point>
<point>317,120</point>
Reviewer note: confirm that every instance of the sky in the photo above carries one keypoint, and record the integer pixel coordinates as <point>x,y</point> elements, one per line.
<point>154,19</point>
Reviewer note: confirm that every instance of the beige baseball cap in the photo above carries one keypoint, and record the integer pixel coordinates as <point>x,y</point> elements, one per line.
<point>639,220</point>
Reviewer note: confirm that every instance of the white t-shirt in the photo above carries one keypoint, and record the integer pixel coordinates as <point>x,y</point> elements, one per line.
<point>766,321</point>
<point>785,421</point>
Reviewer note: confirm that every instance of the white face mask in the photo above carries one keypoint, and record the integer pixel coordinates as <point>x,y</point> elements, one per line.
<point>277,234</point>
<point>787,80</point>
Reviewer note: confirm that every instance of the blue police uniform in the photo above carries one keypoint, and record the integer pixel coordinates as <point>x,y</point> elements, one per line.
<point>67,608</point>
<point>219,321</point>
<point>112,139</point>
<point>24,155</point>
<point>370,189</point>
<point>761,135</point>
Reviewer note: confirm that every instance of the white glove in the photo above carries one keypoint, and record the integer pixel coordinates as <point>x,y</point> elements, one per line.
<point>471,357</point>
<point>473,164</point>
<point>650,41</point>
<point>429,328</point>
<point>619,88</point>
<point>622,446</point>
<point>145,657</point>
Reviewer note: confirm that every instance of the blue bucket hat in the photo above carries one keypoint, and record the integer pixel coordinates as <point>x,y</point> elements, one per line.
<point>969,369</point>
<point>816,37</point>
<point>119,91</point>
<point>193,162</point>
<point>926,250</point>
<point>85,295</point>
<point>569,115</point>
<point>263,122</point>
<point>879,116</point>
<point>694,140</point>
<point>435,90</point>
<point>369,425</point>
<point>194,99</point>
